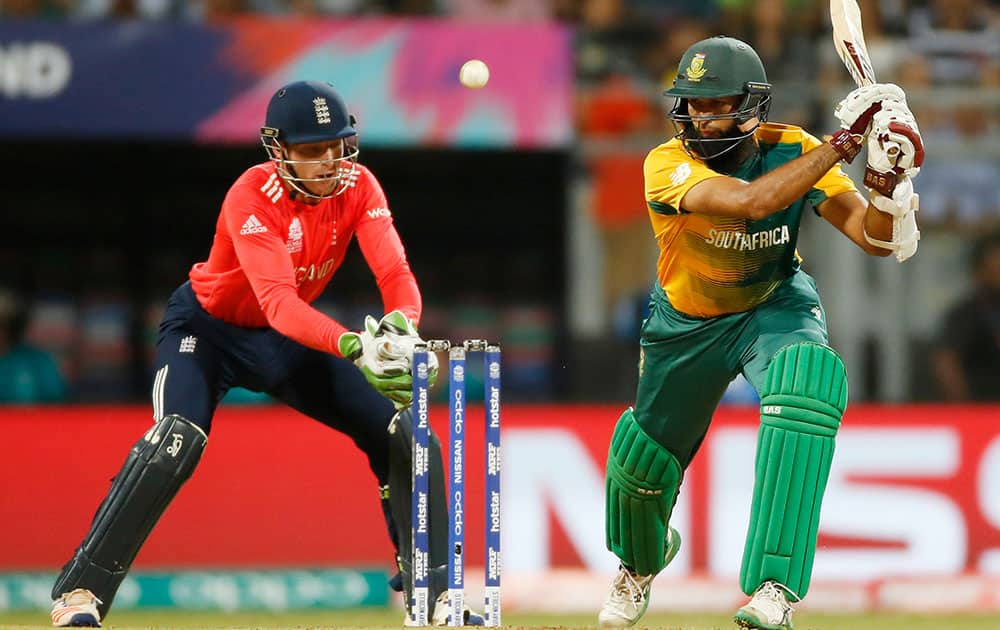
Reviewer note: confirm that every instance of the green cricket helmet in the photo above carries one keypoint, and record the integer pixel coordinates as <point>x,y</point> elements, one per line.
<point>715,68</point>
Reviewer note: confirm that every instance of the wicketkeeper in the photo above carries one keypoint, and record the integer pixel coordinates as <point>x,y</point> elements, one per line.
<point>244,319</point>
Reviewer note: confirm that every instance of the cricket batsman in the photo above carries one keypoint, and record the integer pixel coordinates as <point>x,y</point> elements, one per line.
<point>244,319</point>
<point>725,197</point>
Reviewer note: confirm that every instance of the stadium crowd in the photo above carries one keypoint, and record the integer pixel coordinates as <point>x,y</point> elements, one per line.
<point>945,52</point>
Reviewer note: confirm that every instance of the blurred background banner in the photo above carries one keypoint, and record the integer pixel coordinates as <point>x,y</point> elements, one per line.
<point>211,83</point>
<point>275,589</point>
<point>276,491</point>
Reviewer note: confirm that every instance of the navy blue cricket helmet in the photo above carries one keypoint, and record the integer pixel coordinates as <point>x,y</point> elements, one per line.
<point>305,112</point>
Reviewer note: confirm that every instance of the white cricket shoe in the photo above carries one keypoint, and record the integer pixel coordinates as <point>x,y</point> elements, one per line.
<point>442,614</point>
<point>768,609</point>
<point>629,596</point>
<point>78,609</point>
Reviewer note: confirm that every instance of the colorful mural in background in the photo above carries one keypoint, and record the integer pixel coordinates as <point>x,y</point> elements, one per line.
<point>211,83</point>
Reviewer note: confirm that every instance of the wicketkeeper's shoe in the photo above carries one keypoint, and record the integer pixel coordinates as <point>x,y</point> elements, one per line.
<point>768,609</point>
<point>78,609</point>
<point>442,614</point>
<point>629,596</point>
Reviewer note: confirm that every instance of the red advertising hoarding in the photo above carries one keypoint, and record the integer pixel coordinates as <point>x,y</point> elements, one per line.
<point>915,491</point>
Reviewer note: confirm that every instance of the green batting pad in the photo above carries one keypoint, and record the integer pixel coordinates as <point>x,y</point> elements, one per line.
<point>641,487</point>
<point>801,404</point>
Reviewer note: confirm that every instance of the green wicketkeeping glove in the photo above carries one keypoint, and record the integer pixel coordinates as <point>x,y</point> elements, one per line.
<point>397,323</point>
<point>389,376</point>
<point>397,336</point>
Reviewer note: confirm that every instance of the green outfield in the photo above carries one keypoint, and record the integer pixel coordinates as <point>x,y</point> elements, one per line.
<point>377,619</point>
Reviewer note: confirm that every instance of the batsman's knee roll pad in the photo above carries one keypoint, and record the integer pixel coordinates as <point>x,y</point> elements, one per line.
<point>641,486</point>
<point>802,403</point>
<point>805,389</point>
<point>156,468</point>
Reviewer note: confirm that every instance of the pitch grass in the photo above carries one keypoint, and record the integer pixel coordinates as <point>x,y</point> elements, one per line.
<point>380,619</point>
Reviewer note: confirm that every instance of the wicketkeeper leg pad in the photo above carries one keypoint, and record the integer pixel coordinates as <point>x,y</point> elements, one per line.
<point>802,402</point>
<point>642,480</point>
<point>400,493</point>
<point>156,468</point>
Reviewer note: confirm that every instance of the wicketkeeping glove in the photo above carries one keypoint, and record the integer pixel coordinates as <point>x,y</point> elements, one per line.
<point>383,352</point>
<point>397,336</point>
<point>391,377</point>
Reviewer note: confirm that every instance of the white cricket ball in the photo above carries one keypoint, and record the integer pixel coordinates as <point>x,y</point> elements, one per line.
<point>474,74</point>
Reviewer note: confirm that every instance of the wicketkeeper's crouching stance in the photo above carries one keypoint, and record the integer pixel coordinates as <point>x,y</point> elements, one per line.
<point>159,464</point>
<point>244,319</point>
<point>725,199</point>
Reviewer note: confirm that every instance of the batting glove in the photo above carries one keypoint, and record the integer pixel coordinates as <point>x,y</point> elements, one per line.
<point>855,114</point>
<point>893,126</point>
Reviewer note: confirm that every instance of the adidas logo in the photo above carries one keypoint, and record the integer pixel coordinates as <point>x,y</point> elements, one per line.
<point>253,226</point>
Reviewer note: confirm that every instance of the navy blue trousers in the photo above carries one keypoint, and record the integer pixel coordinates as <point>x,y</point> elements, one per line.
<point>199,358</point>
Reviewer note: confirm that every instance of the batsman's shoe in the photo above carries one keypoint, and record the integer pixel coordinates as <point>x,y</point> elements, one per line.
<point>768,609</point>
<point>77,609</point>
<point>629,596</point>
<point>442,614</point>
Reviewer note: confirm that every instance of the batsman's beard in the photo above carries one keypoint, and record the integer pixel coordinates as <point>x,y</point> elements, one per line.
<point>725,153</point>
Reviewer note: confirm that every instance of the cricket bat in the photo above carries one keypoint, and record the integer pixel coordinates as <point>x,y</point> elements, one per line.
<point>849,40</point>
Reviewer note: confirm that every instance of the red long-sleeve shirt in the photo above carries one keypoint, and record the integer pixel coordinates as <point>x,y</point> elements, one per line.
<point>272,256</point>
